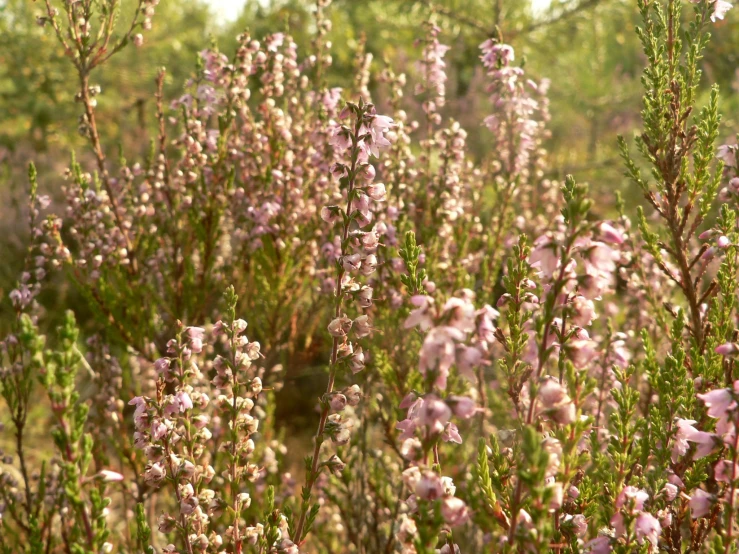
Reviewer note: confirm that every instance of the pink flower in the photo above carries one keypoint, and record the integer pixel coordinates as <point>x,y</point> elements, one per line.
<point>340,138</point>
<point>353,395</point>
<point>380,124</point>
<point>352,262</point>
<point>582,352</point>
<point>583,311</point>
<point>725,428</point>
<point>670,491</point>
<point>726,471</point>
<point>154,473</point>
<point>184,402</point>
<point>468,357</point>
<point>366,172</point>
<point>429,486</point>
<point>687,433</point>
<point>610,234</point>
<point>438,352</point>
<point>421,316</point>
<point>109,476</point>
<point>454,511</point>
<point>337,402</point>
<point>376,191</point>
<point>599,545</point>
<point>494,54</point>
<point>700,503</point>
<point>647,528</point>
<point>577,522</point>
<point>364,296</point>
<point>633,498</point>
<point>599,258</point>
<point>356,360</point>
<point>340,326</point>
<point>409,400</point>
<point>195,333</point>
<point>162,366</point>
<point>451,434</point>
<point>462,313</point>
<point>719,9</point>
<point>331,214</point>
<point>158,429</point>
<point>544,257</point>
<point>727,349</point>
<point>434,414</point>
<point>727,152</point>
<point>376,140</point>
<point>718,402</point>
<point>362,326</point>
<point>407,427</point>
<point>462,406</point>
<point>552,393</point>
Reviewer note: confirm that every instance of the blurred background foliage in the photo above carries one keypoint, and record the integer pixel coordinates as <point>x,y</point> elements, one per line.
<point>587,48</point>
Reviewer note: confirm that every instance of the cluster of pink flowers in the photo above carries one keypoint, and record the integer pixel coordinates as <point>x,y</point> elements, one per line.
<point>177,428</point>
<point>432,68</point>
<point>518,109</point>
<point>721,404</point>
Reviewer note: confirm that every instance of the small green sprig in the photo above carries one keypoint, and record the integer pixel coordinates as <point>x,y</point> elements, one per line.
<point>410,253</point>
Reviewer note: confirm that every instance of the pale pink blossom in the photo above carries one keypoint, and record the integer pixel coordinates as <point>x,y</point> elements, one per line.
<point>700,503</point>
<point>599,545</point>
<point>727,349</point>
<point>429,486</point>
<point>454,511</point>
<point>610,234</point>
<point>686,432</point>
<point>718,402</point>
<point>648,528</point>
<point>109,476</point>
<point>726,471</point>
<point>727,152</point>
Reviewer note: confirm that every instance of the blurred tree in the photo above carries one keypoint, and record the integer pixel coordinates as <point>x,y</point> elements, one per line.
<point>37,86</point>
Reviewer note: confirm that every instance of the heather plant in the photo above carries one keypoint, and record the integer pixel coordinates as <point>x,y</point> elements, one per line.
<point>505,370</point>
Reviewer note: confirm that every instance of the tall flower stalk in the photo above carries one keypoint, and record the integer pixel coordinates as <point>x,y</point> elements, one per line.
<point>356,255</point>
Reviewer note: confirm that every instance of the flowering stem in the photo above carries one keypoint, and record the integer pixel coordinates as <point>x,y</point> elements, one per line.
<point>100,157</point>
<point>732,489</point>
<point>313,474</point>
<point>183,520</point>
<point>543,356</point>
<point>234,439</point>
